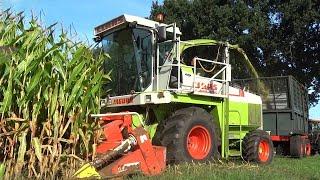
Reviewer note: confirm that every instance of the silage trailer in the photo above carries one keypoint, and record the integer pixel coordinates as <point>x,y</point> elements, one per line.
<point>285,114</point>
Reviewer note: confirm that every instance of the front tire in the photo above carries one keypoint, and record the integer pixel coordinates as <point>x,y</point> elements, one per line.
<point>189,134</point>
<point>257,147</point>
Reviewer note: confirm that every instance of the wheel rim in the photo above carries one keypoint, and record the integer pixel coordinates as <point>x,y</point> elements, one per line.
<point>198,142</point>
<point>308,149</point>
<point>264,151</point>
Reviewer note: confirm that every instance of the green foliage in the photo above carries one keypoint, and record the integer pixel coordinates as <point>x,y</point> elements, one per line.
<point>48,87</point>
<point>280,37</point>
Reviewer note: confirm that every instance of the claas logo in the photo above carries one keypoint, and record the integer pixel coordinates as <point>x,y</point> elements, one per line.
<point>211,87</point>
<point>122,100</point>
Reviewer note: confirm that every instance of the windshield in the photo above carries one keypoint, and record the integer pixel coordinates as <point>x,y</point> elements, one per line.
<point>130,64</point>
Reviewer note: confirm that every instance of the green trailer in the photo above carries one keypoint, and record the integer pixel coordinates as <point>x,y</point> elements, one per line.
<point>285,112</point>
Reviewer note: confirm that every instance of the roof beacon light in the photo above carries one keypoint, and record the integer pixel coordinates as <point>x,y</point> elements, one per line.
<point>160,17</point>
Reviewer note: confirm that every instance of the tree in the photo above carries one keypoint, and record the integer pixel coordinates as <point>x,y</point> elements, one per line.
<point>280,37</point>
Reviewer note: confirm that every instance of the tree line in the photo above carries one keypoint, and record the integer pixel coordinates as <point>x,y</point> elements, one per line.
<point>280,37</point>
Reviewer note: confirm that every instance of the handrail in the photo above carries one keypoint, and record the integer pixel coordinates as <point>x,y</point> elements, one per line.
<point>194,68</point>
<point>207,60</point>
<point>173,65</point>
<point>222,69</point>
<point>215,75</point>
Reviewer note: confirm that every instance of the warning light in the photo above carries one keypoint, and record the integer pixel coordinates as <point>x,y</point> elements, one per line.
<point>160,17</point>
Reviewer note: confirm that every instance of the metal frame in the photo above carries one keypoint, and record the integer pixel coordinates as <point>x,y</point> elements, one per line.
<point>225,71</point>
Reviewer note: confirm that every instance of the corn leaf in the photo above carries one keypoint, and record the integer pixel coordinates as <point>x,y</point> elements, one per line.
<point>8,94</point>
<point>77,55</point>
<point>34,81</point>
<point>22,151</point>
<point>37,147</point>
<point>2,170</point>
<point>74,92</point>
<point>54,98</point>
<point>76,71</point>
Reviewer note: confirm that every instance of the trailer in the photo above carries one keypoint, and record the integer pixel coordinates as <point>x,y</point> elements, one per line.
<point>285,112</point>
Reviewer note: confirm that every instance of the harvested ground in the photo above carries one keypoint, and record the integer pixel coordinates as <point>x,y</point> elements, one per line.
<point>280,168</point>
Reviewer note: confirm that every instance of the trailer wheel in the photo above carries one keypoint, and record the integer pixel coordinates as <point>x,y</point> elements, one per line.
<point>189,134</point>
<point>279,149</point>
<point>297,147</point>
<point>257,147</point>
<point>308,147</point>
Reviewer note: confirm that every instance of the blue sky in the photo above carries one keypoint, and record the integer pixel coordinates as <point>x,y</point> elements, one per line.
<point>315,112</point>
<point>84,15</point>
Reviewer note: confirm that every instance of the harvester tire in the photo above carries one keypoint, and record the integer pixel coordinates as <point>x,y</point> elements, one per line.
<point>297,146</point>
<point>189,134</point>
<point>257,147</point>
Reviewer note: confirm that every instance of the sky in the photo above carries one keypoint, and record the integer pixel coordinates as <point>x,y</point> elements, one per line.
<point>84,15</point>
<point>81,15</point>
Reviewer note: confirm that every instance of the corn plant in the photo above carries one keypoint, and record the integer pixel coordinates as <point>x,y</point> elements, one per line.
<point>48,87</point>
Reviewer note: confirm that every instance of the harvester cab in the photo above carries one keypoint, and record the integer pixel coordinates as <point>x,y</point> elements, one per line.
<point>174,95</point>
<point>145,57</point>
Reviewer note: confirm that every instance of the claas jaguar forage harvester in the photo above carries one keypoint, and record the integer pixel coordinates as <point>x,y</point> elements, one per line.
<point>170,101</point>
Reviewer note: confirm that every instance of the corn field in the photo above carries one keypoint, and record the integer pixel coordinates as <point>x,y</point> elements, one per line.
<point>48,87</point>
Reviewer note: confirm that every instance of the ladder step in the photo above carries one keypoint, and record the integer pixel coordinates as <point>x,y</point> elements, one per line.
<point>234,135</point>
<point>234,152</point>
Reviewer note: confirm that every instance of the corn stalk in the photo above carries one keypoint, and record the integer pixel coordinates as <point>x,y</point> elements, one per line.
<point>48,87</point>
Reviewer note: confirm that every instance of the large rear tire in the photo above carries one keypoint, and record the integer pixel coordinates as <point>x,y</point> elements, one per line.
<point>257,147</point>
<point>189,134</point>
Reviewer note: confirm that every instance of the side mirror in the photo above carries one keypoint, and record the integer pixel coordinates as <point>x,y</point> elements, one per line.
<point>162,33</point>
